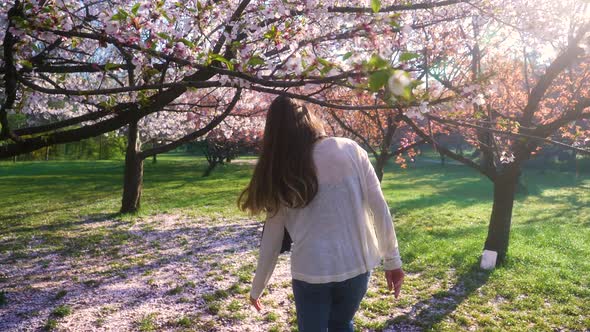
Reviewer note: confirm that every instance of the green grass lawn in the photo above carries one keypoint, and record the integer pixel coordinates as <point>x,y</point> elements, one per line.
<point>441,216</point>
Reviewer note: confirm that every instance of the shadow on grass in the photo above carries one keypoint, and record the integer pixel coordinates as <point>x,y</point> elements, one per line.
<point>427,313</point>
<point>89,219</point>
<point>103,265</point>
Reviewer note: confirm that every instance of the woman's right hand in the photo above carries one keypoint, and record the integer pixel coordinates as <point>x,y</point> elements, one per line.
<point>255,303</point>
<point>395,279</point>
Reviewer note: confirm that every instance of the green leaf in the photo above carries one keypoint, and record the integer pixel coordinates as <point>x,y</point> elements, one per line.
<point>309,69</point>
<point>121,15</point>
<point>187,42</point>
<point>272,33</point>
<point>347,55</point>
<point>378,79</point>
<point>325,62</point>
<point>376,5</point>
<point>110,66</point>
<point>56,103</point>
<point>377,62</point>
<point>164,35</point>
<point>26,63</point>
<point>407,56</point>
<point>217,57</point>
<point>255,61</point>
<point>407,95</point>
<point>166,16</point>
<point>135,9</point>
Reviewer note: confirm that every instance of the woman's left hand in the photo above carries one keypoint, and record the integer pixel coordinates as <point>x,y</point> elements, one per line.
<point>256,303</point>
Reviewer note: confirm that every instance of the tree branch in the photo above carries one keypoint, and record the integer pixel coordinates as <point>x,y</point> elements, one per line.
<point>558,65</point>
<point>73,135</point>
<point>408,147</point>
<point>10,75</point>
<point>96,92</point>
<point>487,172</point>
<point>349,129</point>
<point>69,122</point>
<point>506,133</point>
<point>88,68</point>
<point>397,8</point>
<point>576,114</point>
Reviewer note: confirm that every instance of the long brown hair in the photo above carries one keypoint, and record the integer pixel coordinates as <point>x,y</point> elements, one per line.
<point>285,174</point>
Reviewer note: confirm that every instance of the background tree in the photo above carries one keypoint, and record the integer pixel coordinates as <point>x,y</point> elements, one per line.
<point>88,52</point>
<point>237,135</point>
<point>108,65</point>
<point>518,102</point>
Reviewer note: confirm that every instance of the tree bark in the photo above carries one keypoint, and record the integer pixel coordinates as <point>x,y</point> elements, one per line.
<point>100,138</point>
<point>380,165</point>
<point>210,168</point>
<point>133,178</point>
<point>154,157</point>
<point>46,153</point>
<point>577,168</point>
<point>501,218</point>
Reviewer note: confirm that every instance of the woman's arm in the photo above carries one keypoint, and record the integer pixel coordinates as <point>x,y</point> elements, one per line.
<point>270,246</point>
<point>382,219</point>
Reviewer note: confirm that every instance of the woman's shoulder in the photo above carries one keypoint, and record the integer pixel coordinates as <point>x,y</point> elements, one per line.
<point>338,147</point>
<point>340,141</point>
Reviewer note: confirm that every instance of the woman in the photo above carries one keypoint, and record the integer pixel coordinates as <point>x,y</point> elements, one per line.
<point>325,192</point>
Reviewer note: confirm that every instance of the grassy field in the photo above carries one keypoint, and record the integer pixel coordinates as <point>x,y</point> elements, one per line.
<point>441,222</point>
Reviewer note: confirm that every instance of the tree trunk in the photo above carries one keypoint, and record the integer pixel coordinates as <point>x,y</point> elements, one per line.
<point>47,153</point>
<point>14,160</point>
<point>384,151</point>
<point>442,159</point>
<point>133,178</point>
<point>577,168</point>
<point>380,165</point>
<point>501,218</point>
<point>100,138</point>
<point>459,149</point>
<point>154,157</point>
<point>210,168</point>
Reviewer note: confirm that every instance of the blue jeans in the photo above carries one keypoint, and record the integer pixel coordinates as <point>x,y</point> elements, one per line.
<point>330,306</point>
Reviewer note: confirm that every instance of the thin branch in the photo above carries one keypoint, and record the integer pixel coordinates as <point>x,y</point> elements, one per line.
<point>96,92</point>
<point>409,147</point>
<point>349,129</point>
<point>506,133</point>
<point>397,8</point>
<point>558,65</point>
<point>490,173</point>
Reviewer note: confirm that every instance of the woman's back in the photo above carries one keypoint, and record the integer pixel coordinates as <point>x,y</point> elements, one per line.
<point>325,192</point>
<point>333,239</point>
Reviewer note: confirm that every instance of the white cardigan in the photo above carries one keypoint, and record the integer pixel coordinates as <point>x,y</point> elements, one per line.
<point>346,230</point>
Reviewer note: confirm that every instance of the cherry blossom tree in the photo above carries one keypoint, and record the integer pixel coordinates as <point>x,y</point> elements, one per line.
<point>170,137</point>
<point>226,142</point>
<point>524,93</point>
<point>509,76</point>
<point>127,60</point>
<point>381,132</point>
<point>112,64</point>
